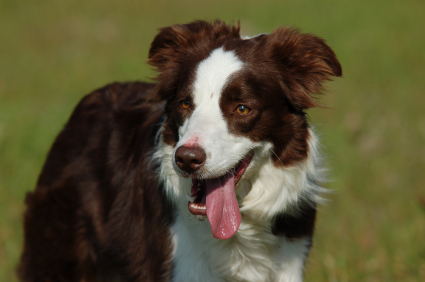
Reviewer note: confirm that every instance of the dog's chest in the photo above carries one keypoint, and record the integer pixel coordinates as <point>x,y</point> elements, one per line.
<point>248,256</point>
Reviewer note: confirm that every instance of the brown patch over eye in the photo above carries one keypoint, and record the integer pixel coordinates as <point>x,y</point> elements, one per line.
<point>185,104</point>
<point>243,110</point>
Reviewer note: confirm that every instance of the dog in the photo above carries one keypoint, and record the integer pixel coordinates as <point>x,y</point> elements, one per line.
<point>210,174</point>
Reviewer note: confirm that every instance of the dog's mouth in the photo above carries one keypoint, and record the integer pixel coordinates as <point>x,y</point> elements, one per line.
<point>215,198</point>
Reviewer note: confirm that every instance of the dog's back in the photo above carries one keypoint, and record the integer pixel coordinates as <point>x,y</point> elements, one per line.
<point>98,210</point>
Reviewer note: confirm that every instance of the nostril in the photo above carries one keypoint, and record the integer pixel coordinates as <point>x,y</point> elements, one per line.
<point>197,161</point>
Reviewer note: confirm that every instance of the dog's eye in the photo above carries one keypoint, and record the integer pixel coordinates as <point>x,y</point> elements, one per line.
<point>243,110</point>
<point>185,104</point>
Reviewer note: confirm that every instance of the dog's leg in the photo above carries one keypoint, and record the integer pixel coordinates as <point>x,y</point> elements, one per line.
<point>55,245</point>
<point>290,259</point>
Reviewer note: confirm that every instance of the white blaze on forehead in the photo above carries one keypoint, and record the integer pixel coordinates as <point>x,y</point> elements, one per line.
<point>213,73</point>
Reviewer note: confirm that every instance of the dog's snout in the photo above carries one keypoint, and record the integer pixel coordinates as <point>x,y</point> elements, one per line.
<point>190,159</point>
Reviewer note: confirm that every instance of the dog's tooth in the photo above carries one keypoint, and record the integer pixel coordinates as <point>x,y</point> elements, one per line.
<point>191,199</point>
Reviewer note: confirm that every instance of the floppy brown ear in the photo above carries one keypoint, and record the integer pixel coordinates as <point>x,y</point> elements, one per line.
<point>165,56</point>
<point>171,40</point>
<point>304,61</point>
<point>175,38</point>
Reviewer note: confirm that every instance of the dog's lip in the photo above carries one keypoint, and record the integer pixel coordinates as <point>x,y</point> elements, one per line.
<point>247,159</point>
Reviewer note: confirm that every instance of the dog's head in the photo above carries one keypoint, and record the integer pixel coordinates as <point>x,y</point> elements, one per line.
<point>229,98</point>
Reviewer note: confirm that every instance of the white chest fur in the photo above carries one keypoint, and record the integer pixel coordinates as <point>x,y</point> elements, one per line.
<point>253,254</point>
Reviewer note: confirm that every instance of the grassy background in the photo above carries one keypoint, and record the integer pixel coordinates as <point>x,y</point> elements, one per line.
<point>54,52</point>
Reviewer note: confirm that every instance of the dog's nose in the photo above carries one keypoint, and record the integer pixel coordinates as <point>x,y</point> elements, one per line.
<point>190,159</point>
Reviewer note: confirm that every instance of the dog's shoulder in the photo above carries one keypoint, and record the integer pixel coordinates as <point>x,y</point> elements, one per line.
<point>101,115</point>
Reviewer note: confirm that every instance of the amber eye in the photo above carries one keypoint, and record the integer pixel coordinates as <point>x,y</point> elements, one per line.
<point>243,110</point>
<point>185,104</point>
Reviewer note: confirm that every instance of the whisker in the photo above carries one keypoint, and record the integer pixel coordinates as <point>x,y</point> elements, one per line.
<point>277,157</point>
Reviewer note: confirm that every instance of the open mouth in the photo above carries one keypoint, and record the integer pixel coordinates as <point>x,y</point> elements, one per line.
<point>215,198</point>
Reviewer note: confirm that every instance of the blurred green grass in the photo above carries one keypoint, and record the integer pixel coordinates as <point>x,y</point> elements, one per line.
<point>373,229</point>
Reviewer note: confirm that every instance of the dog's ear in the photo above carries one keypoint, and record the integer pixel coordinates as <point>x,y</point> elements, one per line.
<point>170,42</point>
<point>175,39</point>
<point>304,61</point>
<point>187,44</point>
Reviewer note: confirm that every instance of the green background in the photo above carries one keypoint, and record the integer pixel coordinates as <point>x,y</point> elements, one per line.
<point>373,134</point>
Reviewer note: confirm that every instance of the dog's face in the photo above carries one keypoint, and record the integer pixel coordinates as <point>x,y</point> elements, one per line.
<point>226,98</point>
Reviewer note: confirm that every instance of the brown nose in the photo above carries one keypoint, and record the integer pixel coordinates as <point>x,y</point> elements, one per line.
<point>190,159</point>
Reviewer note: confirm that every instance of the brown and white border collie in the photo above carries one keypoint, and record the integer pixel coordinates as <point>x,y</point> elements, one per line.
<point>212,174</point>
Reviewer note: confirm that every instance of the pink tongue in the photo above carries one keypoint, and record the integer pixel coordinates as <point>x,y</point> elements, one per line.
<point>222,206</point>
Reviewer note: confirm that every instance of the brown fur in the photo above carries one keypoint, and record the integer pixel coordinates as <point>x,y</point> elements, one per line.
<point>98,209</point>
